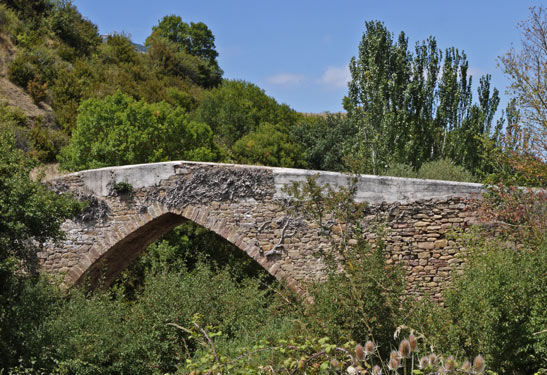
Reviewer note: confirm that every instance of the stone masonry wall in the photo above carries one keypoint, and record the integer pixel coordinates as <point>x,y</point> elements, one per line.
<point>243,205</point>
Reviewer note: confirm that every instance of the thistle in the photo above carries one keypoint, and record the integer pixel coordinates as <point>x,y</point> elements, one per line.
<point>450,365</point>
<point>393,364</point>
<point>376,370</point>
<point>369,348</point>
<point>433,359</point>
<point>424,362</point>
<point>466,366</point>
<point>404,348</point>
<point>413,343</point>
<point>394,355</point>
<point>359,352</point>
<point>478,364</point>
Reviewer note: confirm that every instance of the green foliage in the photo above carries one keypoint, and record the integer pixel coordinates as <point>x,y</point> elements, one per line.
<point>237,108</point>
<point>138,338</point>
<point>444,169</point>
<point>173,43</point>
<point>497,307</point>
<point>39,64</point>
<point>400,170</point>
<point>31,212</point>
<point>326,141</point>
<point>123,188</point>
<point>268,145</point>
<point>118,130</point>
<point>69,25</point>
<point>406,112</point>
<point>30,215</point>
<point>361,298</point>
<point>8,20</point>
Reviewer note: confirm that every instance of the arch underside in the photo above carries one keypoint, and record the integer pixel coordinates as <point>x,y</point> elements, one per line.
<point>108,259</point>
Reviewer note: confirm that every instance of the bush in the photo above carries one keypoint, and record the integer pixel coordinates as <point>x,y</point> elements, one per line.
<point>445,169</point>
<point>497,307</point>
<point>400,170</point>
<point>107,335</point>
<point>118,130</point>
<point>268,146</point>
<point>37,90</point>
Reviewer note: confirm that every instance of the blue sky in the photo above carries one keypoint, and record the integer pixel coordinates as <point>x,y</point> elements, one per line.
<point>298,51</point>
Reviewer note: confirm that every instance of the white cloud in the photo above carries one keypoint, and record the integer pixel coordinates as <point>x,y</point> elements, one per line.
<point>335,77</point>
<point>286,79</point>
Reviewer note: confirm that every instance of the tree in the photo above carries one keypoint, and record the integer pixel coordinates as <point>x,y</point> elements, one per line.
<point>194,39</point>
<point>118,130</point>
<point>406,112</point>
<point>527,71</point>
<point>30,216</point>
<point>236,108</point>
<point>268,145</point>
<point>325,141</point>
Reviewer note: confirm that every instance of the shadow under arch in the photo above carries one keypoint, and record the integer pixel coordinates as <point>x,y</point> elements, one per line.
<point>127,240</point>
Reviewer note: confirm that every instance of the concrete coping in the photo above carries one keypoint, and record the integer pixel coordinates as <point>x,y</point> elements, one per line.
<point>371,188</point>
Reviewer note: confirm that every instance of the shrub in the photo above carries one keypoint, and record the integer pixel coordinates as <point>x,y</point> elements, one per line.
<point>37,90</point>
<point>444,169</point>
<point>268,145</point>
<point>400,170</point>
<point>106,335</point>
<point>118,130</point>
<point>497,307</point>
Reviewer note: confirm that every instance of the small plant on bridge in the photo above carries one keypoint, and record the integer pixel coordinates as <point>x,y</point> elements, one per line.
<point>123,188</point>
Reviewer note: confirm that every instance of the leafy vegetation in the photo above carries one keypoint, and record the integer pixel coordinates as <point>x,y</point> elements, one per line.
<point>196,304</point>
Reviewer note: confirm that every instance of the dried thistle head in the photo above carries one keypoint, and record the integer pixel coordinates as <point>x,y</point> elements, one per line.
<point>432,359</point>
<point>376,370</point>
<point>404,348</point>
<point>369,347</point>
<point>413,343</point>
<point>359,352</point>
<point>478,364</point>
<point>424,362</point>
<point>394,355</point>
<point>466,366</point>
<point>393,364</point>
<point>450,364</point>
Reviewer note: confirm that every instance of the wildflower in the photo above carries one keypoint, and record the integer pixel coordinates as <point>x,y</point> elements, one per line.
<point>466,366</point>
<point>351,370</point>
<point>404,349</point>
<point>369,348</point>
<point>432,359</point>
<point>413,343</point>
<point>394,355</point>
<point>376,370</point>
<point>393,364</point>
<point>424,362</point>
<point>450,365</point>
<point>359,352</point>
<point>478,364</point>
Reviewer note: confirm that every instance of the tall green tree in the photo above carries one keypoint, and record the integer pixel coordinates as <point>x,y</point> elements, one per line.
<point>194,39</point>
<point>414,107</point>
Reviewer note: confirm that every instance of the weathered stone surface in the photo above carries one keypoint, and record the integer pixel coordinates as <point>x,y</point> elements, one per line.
<point>243,205</point>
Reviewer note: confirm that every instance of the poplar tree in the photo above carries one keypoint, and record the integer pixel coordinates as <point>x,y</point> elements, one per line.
<point>414,107</point>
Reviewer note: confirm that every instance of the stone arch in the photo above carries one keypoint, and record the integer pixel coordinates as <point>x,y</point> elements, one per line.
<point>126,240</point>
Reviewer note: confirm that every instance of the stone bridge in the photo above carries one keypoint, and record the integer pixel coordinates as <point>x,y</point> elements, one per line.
<point>129,207</point>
